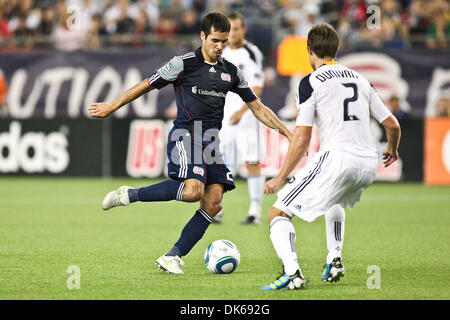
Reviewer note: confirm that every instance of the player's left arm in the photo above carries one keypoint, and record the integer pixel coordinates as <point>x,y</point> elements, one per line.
<point>297,148</point>
<point>269,118</point>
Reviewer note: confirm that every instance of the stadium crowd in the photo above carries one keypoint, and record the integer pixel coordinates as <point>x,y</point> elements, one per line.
<point>92,24</point>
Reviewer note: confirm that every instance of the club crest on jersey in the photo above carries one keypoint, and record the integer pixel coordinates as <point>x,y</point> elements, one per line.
<point>170,66</point>
<point>226,77</point>
<point>198,170</point>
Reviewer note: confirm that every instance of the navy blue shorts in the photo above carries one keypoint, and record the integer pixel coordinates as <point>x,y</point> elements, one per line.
<point>192,160</point>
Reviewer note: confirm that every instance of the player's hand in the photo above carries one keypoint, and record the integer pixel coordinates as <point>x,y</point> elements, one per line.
<point>100,110</point>
<point>273,184</point>
<point>236,117</point>
<point>389,156</point>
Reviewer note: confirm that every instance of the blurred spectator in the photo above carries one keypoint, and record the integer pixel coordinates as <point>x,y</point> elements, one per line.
<point>438,33</point>
<point>355,11</point>
<point>124,24</point>
<point>113,13</point>
<point>151,9</point>
<point>48,17</point>
<point>167,26</point>
<point>6,8</point>
<point>67,36</point>
<point>190,23</point>
<point>309,17</point>
<point>443,107</point>
<point>142,28</point>
<point>417,19</point>
<point>394,104</point>
<point>96,29</point>
<point>22,35</point>
<point>391,19</point>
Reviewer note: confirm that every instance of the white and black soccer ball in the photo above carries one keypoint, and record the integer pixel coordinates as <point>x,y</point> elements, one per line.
<point>222,256</point>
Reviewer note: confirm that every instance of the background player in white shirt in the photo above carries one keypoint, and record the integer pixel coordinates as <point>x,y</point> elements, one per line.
<point>240,129</point>
<point>340,101</point>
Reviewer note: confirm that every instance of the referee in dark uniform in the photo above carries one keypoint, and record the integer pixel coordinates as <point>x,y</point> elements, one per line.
<point>201,80</point>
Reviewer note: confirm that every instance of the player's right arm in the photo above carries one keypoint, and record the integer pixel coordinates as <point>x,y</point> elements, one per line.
<point>162,77</point>
<point>390,123</point>
<point>104,109</point>
<point>393,133</point>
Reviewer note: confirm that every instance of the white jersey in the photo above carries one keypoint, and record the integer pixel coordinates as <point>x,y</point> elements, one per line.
<point>249,59</point>
<point>243,137</point>
<point>340,101</point>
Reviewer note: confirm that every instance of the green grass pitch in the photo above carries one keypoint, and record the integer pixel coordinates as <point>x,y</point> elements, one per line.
<point>49,224</point>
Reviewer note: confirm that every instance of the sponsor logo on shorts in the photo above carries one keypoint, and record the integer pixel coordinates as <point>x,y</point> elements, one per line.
<point>199,171</point>
<point>298,207</point>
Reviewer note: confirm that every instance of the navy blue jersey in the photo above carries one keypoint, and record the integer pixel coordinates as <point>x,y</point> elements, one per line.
<point>200,88</point>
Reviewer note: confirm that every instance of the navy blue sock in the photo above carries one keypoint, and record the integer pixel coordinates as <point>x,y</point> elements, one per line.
<point>191,234</point>
<point>163,191</point>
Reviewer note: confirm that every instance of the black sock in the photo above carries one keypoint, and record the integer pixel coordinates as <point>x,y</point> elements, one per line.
<point>163,191</point>
<point>191,234</point>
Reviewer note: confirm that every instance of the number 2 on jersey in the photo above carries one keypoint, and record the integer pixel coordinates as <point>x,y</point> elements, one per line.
<point>348,117</point>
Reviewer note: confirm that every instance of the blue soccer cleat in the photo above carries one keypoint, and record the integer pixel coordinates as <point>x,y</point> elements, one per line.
<point>333,271</point>
<point>285,282</point>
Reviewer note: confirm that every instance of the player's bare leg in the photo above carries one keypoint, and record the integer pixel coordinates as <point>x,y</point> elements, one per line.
<point>210,205</point>
<point>255,183</point>
<point>282,234</point>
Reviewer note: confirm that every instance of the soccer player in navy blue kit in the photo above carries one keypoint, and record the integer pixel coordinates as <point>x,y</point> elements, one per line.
<point>200,80</point>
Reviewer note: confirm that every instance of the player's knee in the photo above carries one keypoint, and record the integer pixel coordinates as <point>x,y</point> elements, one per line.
<point>253,168</point>
<point>212,208</point>
<point>336,212</point>
<point>193,193</point>
<point>275,212</point>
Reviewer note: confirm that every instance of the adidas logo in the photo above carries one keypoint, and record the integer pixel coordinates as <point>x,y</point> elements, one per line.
<point>212,70</point>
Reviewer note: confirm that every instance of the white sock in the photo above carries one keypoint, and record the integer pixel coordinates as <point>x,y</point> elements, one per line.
<point>282,234</point>
<point>255,189</point>
<point>335,226</point>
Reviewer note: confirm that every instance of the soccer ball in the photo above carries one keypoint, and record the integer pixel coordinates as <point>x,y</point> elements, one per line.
<point>222,256</point>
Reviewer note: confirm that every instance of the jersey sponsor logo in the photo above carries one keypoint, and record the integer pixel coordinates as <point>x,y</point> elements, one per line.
<point>145,156</point>
<point>198,170</point>
<point>225,77</point>
<point>212,70</point>
<point>203,92</point>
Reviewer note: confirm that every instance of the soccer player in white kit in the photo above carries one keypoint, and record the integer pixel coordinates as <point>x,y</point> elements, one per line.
<point>340,101</point>
<point>241,131</point>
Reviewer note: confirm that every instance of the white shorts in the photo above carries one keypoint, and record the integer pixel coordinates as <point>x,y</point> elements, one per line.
<point>329,178</point>
<point>242,142</point>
